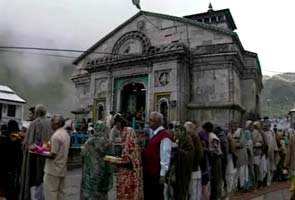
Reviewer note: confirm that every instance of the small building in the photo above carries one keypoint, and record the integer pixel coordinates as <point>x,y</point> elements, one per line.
<point>11,105</point>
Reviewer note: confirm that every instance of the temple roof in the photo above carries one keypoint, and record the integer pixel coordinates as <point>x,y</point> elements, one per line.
<point>185,20</point>
<point>226,12</point>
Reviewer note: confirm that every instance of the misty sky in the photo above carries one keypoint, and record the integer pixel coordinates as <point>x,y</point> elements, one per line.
<point>264,26</point>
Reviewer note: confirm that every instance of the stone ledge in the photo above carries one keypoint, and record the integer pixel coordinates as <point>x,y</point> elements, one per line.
<point>217,106</point>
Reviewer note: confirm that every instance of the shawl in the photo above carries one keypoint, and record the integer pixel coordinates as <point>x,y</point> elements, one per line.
<point>224,144</point>
<point>290,157</point>
<point>203,135</point>
<point>249,141</point>
<point>205,165</point>
<point>257,139</point>
<point>198,152</point>
<point>130,154</point>
<point>216,149</point>
<point>215,161</point>
<point>183,162</point>
<point>258,142</point>
<point>97,176</point>
<point>241,151</point>
<point>39,132</point>
<point>272,149</point>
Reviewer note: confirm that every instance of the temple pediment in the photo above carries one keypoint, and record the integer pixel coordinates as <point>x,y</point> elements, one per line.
<point>146,32</point>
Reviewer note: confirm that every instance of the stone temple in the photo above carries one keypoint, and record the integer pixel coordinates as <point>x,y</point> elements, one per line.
<point>188,68</point>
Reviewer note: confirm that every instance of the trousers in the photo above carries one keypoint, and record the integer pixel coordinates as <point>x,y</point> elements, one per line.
<point>243,175</point>
<point>153,190</point>
<point>54,187</point>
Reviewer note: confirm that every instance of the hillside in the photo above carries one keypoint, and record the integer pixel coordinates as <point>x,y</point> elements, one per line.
<point>280,89</point>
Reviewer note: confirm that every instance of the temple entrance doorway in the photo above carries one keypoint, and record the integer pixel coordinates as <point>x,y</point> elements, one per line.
<point>133,100</point>
<point>164,109</point>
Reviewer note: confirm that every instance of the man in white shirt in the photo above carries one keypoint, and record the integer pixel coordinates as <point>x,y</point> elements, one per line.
<point>156,158</point>
<point>56,166</point>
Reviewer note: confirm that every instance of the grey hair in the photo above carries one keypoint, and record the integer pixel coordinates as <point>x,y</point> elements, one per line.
<point>40,110</point>
<point>190,126</point>
<point>158,116</point>
<point>58,119</point>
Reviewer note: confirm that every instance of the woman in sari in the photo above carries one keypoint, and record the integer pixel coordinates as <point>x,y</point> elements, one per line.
<point>97,176</point>
<point>182,162</point>
<point>129,185</point>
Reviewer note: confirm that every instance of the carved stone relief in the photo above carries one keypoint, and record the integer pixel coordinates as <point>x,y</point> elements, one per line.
<point>141,25</point>
<point>162,78</point>
<point>133,39</point>
<point>100,85</point>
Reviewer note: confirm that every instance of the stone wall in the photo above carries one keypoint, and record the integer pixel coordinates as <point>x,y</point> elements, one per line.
<point>210,87</point>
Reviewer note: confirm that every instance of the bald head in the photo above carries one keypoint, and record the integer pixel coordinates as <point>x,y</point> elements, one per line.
<point>57,121</point>
<point>156,120</point>
<point>40,110</point>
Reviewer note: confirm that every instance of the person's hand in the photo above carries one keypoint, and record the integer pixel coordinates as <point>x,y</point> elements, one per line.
<point>162,180</point>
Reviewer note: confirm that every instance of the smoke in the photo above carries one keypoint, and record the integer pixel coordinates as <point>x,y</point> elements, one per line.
<point>38,78</point>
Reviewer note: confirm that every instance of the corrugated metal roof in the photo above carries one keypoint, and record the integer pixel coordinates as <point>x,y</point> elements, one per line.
<point>7,94</point>
<point>5,89</point>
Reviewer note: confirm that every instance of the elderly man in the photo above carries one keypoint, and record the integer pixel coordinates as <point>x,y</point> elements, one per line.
<point>156,160</point>
<point>32,173</point>
<point>56,165</point>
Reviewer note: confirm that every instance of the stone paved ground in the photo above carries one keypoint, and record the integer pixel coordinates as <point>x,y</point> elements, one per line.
<point>278,191</point>
<point>73,185</point>
<point>278,195</point>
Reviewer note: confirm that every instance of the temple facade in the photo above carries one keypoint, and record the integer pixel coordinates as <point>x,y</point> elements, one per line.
<point>188,68</point>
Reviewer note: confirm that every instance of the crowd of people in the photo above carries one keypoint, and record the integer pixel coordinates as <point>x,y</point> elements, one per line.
<point>28,176</point>
<point>187,161</point>
<point>183,162</point>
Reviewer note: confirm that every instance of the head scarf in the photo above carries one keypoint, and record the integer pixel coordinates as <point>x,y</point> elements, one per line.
<point>248,123</point>
<point>190,126</point>
<point>101,130</point>
<point>119,118</point>
<point>257,125</point>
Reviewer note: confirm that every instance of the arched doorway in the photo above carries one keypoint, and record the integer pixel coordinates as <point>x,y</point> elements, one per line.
<point>133,99</point>
<point>99,112</point>
<point>164,109</point>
